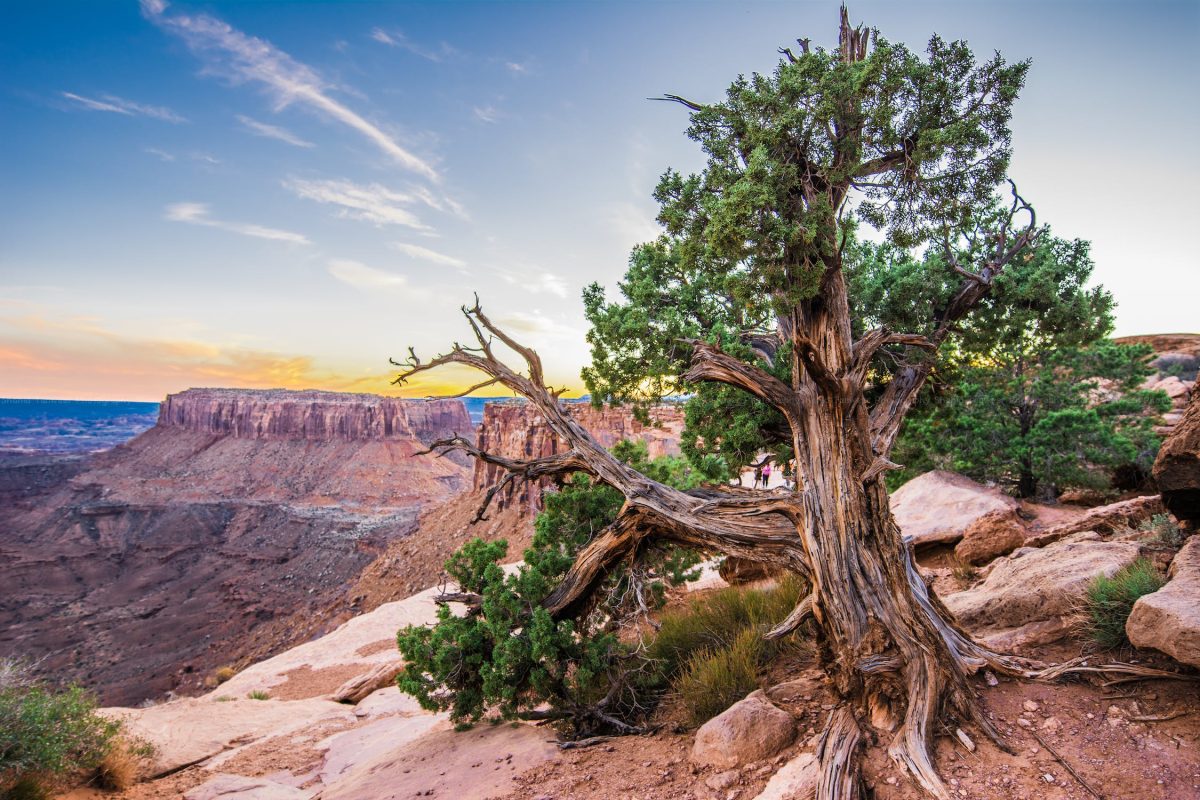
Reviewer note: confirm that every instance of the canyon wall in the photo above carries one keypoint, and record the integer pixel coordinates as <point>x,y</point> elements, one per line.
<point>219,534</point>
<point>515,430</point>
<point>280,415</point>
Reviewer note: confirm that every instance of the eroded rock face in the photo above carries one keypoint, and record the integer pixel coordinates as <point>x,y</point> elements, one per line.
<point>1169,619</point>
<point>939,506</point>
<point>751,729</point>
<point>516,430</point>
<point>282,415</point>
<point>220,534</point>
<point>1177,468</point>
<point>991,536</point>
<point>1028,597</point>
<point>1111,519</point>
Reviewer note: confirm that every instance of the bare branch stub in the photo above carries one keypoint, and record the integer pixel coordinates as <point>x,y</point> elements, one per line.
<point>901,392</point>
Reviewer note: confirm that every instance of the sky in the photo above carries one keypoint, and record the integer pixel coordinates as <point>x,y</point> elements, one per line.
<point>286,194</point>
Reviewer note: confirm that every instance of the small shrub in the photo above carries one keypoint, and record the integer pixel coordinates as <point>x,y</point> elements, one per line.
<point>963,571</point>
<point>1165,531</point>
<point>1109,601</point>
<point>259,694</point>
<point>715,621</point>
<point>48,738</point>
<point>119,768</point>
<point>224,673</point>
<point>713,679</point>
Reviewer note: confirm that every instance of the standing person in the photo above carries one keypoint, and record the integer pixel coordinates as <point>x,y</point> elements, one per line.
<point>758,476</point>
<point>766,473</point>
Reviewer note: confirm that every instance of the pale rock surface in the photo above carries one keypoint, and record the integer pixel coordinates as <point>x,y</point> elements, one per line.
<point>372,634</point>
<point>750,730</point>
<point>190,730</point>
<point>995,534</point>
<point>1030,596</point>
<point>795,780</point>
<point>1169,619</point>
<point>937,507</point>
<point>238,787</point>
<point>471,765</point>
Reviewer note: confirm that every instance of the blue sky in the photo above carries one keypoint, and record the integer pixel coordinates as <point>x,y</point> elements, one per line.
<point>285,194</point>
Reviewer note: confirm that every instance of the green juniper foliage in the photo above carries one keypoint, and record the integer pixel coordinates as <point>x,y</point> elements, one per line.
<point>1033,395</point>
<point>506,655</point>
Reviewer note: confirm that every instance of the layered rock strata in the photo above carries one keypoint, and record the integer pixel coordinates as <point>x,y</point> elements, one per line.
<point>220,534</point>
<point>515,430</point>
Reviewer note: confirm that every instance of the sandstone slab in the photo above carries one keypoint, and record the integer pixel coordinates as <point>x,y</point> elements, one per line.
<point>1029,597</point>
<point>750,730</point>
<point>238,787</point>
<point>471,765</point>
<point>1110,519</point>
<point>995,534</point>
<point>191,730</point>
<point>1169,619</point>
<point>366,643</point>
<point>795,780</point>
<point>938,507</point>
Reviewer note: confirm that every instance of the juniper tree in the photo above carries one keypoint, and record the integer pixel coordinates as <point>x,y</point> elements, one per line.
<point>915,146</point>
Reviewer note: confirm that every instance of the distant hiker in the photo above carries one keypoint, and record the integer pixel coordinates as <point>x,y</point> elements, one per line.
<point>758,476</point>
<point>766,474</point>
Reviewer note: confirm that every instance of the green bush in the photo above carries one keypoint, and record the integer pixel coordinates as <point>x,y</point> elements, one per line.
<point>713,679</point>
<point>259,694</point>
<point>507,657</point>
<point>48,738</point>
<point>1165,531</point>
<point>1109,601</point>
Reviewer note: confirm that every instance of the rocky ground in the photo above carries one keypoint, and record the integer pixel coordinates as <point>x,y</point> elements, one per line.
<point>1123,741</point>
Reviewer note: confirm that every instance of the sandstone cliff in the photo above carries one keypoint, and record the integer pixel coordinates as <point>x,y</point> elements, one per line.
<point>517,431</point>
<point>216,535</point>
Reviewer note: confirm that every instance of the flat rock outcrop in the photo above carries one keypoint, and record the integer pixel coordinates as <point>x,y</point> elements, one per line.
<point>939,506</point>
<point>1108,520</point>
<point>221,535</point>
<point>751,729</point>
<point>1169,619</point>
<point>516,430</point>
<point>308,746</point>
<point>1029,597</point>
<point>1177,468</point>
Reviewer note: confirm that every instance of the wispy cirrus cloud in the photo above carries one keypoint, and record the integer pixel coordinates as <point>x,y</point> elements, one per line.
<point>198,214</point>
<point>537,281</point>
<point>396,38</point>
<point>371,279</point>
<point>432,256</point>
<point>248,59</point>
<point>272,132</point>
<point>487,114</point>
<point>374,202</point>
<point>119,105</point>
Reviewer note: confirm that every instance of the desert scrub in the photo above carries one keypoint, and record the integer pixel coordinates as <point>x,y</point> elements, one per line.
<point>259,694</point>
<point>715,621</point>
<point>49,738</point>
<point>1165,531</point>
<point>1109,601</point>
<point>713,679</point>
<point>711,651</point>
